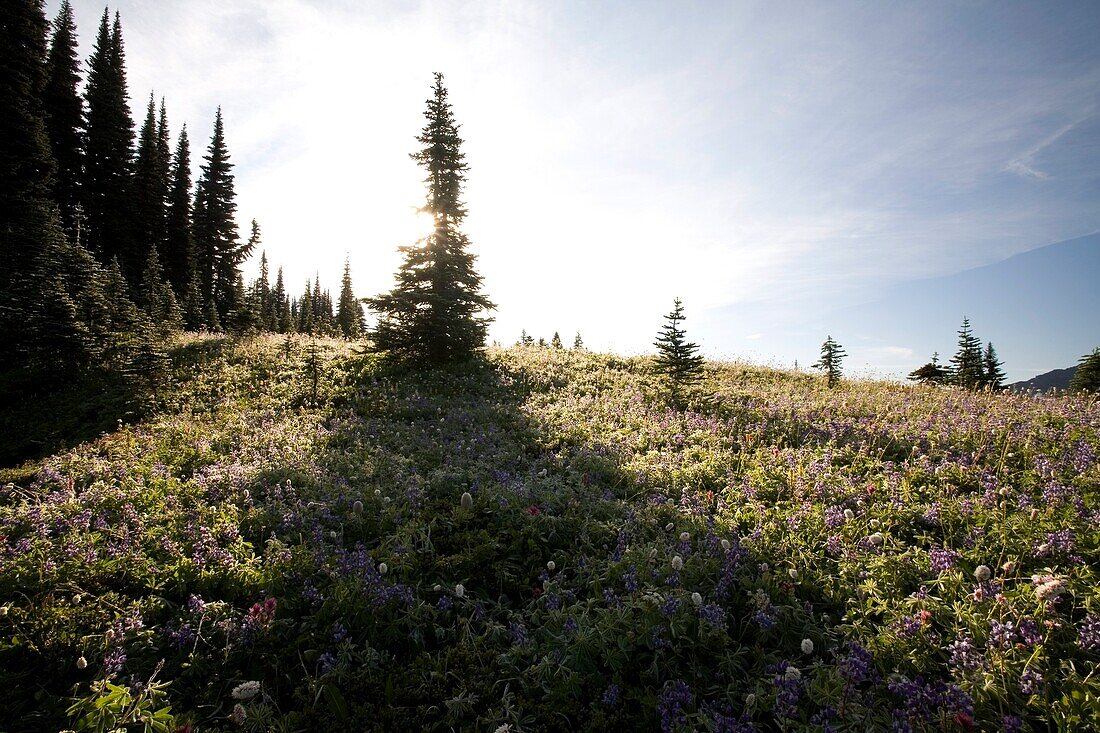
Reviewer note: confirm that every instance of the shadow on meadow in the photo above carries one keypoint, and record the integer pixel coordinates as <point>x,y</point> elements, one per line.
<point>561,594</point>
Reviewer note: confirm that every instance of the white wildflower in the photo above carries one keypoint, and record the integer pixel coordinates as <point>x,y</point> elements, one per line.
<point>238,714</point>
<point>875,524</point>
<point>246,690</point>
<point>669,526</point>
<point>697,599</point>
<point>383,568</point>
<point>357,507</point>
<point>726,545</point>
<point>332,534</point>
<point>677,563</point>
<point>793,572</point>
<point>849,514</point>
<point>1009,567</point>
<point>551,565</point>
<point>460,590</point>
<point>81,663</point>
<point>750,700</point>
<point>793,673</point>
<point>982,573</point>
<point>467,501</point>
<point>685,536</point>
<point>807,646</point>
<point>876,539</point>
<point>378,492</point>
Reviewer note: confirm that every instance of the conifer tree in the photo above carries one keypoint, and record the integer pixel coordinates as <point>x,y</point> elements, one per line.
<point>433,312</point>
<point>677,358</point>
<point>218,253</point>
<point>64,116</point>
<point>194,310</point>
<point>348,313</point>
<point>578,343</point>
<point>556,341</point>
<point>108,153</point>
<point>305,311</point>
<point>966,365</point>
<point>1086,378</point>
<point>930,373</point>
<point>281,305</point>
<point>525,339</point>
<point>150,187</point>
<point>832,354</point>
<point>993,376</point>
<point>261,293</point>
<point>158,299</point>
<point>178,246</point>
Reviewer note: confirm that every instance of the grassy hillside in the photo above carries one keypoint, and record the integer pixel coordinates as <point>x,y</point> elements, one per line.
<point>777,557</point>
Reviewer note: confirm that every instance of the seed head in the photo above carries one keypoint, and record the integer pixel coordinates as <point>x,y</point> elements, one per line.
<point>982,573</point>
<point>467,501</point>
<point>807,646</point>
<point>677,563</point>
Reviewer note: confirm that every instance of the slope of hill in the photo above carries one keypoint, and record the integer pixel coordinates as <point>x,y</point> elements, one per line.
<point>1057,379</point>
<point>541,542</point>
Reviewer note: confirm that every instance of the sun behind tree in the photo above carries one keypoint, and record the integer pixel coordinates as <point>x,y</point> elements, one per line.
<point>433,314</point>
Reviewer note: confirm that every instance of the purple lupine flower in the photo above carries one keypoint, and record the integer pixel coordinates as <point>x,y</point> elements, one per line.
<point>518,633</point>
<point>1002,635</point>
<point>1030,682</point>
<point>1088,635</point>
<point>630,579</point>
<point>943,559</point>
<point>858,666</point>
<point>674,699</point>
<point>714,615</point>
<point>1029,631</point>
<point>670,607</point>
<point>1011,724</point>
<point>963,656</point>
<point>612,695</point>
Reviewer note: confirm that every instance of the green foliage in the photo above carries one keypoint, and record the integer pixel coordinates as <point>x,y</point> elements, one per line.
<point>432,314</point>
<point>1087,376</point>
<point>112,707</point>
<point>832,355</point>
<point>676,358</point>
<point>64,117</point>
<point>993,377</point>
<point>349,314</point>
<point>179,245</point>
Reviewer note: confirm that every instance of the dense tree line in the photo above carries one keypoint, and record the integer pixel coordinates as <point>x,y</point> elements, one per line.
<point>107,245</point>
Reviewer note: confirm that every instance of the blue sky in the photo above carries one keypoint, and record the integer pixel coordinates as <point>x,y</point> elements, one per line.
<point>763,161</point>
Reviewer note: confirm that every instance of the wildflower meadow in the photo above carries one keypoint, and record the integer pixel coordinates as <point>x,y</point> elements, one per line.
<point>297,537</point>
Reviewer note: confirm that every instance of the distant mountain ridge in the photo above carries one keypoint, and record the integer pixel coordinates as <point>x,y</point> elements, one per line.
<point>1055,379</point>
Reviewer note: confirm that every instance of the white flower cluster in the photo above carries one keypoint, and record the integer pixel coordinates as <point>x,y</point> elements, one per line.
<point>1048,587</point>
<point>246,690</point>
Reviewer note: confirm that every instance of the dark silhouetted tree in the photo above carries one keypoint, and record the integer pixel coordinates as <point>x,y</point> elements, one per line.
<point>150,187</point>
<point>218,253</point>
<point>677,358</point>
<point>108,155</point>
<point>966,364</point>
<point>64,116</point>
<point>281,305</point>
<point>993,376</point>
<point>349,314</point>
<point>930,373</point>
<point>832,354</point>
<point>432,315</point>
<point>178,246</point>
<point>578,344</point>
<point>556,341</point>
<point>1087,376</point>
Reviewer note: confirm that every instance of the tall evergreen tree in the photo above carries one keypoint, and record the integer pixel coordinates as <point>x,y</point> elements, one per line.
<point>555,342</point>
<point>177,254</point>
<point>1086,378</point>
<point>966,364</point>
<point>993,376</point>
<point>108,155</point>
<point>832,354</point>
<point>306,311</point>
<point>281,305</point>
<point>150,187</point>
<point>349,312</point>
<point>578,342</point>
<point>218,253</point>
<point>433,312</point>
<point>261,294</point>
<point>677,358</point>
<point>64,115</point>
